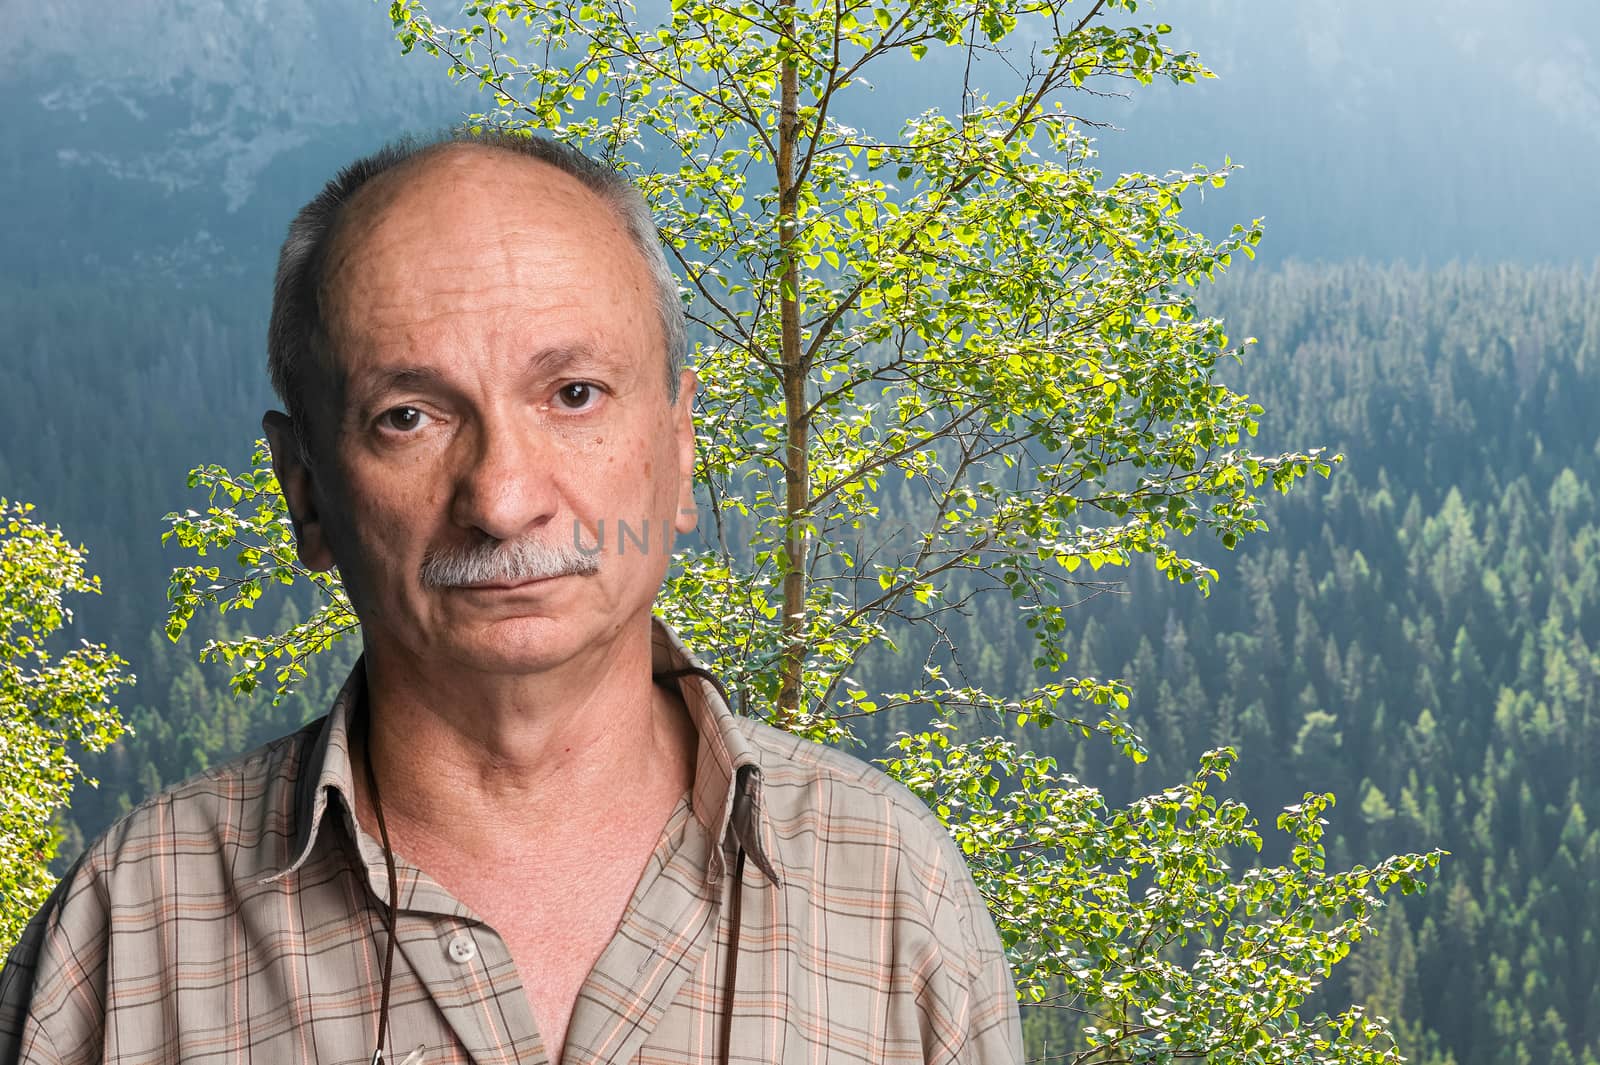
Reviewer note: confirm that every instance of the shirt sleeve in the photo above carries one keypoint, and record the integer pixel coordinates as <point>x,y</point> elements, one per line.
<point>970,1009</point>
<point>994,1022</point>
<point>16,989</point>
<point>51,988</point>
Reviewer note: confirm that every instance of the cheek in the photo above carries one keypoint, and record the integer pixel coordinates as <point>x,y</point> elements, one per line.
<point>616,473</point>
<point>385,518</point>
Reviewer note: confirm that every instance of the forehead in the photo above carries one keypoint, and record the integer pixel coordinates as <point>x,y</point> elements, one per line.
<point>472,237</point>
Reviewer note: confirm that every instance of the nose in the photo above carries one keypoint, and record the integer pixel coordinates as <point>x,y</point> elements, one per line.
<point>504,485</point>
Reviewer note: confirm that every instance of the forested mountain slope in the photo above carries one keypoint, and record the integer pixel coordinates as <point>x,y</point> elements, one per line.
<point>1418,634</point>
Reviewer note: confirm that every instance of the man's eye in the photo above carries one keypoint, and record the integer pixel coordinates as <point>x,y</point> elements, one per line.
<point>578,395</point>
<point>402,419</point>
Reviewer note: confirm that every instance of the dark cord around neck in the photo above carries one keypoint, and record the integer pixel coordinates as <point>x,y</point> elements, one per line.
<point>730,982</point>
<point>392,913</point>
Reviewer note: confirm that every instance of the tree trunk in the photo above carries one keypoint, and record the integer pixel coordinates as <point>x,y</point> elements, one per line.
<point>796,461</point>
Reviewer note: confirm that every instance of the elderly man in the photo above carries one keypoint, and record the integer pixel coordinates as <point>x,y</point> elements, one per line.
<point>530,829</point>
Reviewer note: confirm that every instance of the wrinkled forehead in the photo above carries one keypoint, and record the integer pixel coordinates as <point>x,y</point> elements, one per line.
<point>461,215</point>
<point>473,231</point>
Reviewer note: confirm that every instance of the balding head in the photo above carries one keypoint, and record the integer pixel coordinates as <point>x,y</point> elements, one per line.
<point>298,332</point>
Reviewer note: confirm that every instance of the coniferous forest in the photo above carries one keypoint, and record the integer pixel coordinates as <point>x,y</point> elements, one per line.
<point>1416,633</point>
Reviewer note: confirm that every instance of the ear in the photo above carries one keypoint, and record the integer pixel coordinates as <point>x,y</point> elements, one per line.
<point>299,491</point>
<point>683,433</point>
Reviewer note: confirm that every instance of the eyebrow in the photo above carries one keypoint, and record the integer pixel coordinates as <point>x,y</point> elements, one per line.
<point>545,362</point>
<point>367,387</point>
<point>550,361</point>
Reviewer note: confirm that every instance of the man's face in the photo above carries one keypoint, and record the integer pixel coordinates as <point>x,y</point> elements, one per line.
<point>497,378</point>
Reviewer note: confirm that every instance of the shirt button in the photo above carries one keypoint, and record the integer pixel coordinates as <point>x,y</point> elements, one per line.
<point>463,949</point>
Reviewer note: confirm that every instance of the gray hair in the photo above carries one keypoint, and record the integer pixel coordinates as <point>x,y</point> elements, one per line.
<point>296,322</point>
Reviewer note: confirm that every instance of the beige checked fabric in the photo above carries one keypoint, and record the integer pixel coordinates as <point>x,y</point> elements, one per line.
<point>237,919</point>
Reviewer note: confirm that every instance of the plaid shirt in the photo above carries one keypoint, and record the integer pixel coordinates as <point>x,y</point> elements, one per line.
<point>238,918</point>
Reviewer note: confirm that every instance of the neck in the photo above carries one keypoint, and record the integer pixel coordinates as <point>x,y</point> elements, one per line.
<point>470,760</point>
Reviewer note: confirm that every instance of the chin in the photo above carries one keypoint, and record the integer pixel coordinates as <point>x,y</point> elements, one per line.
<point>519,645</point>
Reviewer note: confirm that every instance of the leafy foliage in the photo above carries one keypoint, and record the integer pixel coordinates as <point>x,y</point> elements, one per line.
<point>247,514</point>
<point>48,703</point>
<point>1201,964</point>
<point>958,303</point>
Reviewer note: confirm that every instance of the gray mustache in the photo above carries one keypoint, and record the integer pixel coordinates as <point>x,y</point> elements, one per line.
<point>505,562</point>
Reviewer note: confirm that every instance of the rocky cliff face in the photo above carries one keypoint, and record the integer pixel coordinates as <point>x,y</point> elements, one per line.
<point>174,136</point>
<point>204,88</point>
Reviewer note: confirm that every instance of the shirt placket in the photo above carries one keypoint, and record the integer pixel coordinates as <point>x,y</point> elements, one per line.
<point>469,980</point>
<point>472,983</point>
<point>664,934</point>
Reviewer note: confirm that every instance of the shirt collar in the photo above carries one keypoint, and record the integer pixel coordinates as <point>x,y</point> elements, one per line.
<point>325,767</point>
<point>727,776</point>
<point>725,796</point>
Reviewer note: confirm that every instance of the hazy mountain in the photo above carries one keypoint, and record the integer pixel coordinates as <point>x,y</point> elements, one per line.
<point>166,138</point>
<point>1419,131</point>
